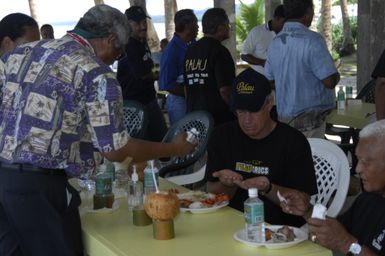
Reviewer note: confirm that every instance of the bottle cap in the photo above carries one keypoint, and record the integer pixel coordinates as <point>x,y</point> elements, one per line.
<point>253,192</point>
<point>134,175</point>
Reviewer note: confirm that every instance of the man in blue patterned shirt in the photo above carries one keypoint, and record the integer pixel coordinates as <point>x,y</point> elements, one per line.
<point>61,112</point>
<point>302,70</point>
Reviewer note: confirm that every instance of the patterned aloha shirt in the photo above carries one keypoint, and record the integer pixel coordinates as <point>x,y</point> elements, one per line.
<point>61,106</point>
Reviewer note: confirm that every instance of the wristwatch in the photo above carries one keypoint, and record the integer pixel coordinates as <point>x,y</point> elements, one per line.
<point>354,249</point>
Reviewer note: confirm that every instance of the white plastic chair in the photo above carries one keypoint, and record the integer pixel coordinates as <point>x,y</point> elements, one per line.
<point>332,173</point>
<point>190,178</point>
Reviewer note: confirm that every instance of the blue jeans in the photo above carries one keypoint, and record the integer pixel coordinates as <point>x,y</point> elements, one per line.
<point>176,108</point>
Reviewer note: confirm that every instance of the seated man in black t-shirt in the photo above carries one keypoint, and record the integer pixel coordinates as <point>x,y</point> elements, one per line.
<point>256,151</point>
<point>361,230</point>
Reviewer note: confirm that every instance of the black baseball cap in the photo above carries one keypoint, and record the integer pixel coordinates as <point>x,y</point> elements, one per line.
<point>249,91</point>
<point>136,13</point>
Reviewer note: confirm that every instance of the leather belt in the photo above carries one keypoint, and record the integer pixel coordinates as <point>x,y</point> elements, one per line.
<point>31,169</point>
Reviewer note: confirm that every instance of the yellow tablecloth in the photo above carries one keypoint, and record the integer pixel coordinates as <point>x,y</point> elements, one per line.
<point>195,234</point>
<point>355,115</point>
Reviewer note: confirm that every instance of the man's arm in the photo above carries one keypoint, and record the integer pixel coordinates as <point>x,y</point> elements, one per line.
<point>141,150</point>
<point>226,184</point>
<point>178,89</point>
<point>331,81</point>
<point>333,235</point>
<point>253,60</point>
<point>225,93</point>
<point>380,97</point>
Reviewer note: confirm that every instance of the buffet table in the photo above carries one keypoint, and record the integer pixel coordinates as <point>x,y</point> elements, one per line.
<point>112,233</point>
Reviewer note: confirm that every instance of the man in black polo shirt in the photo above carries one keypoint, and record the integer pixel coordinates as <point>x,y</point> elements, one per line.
<point>135,73</point>
<point>209,68</point>
<point>258,152</point>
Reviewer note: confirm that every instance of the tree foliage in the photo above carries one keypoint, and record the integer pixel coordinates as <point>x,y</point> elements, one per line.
<point>250,16</point>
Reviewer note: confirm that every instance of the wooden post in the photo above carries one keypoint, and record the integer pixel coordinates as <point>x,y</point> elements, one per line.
<point>370,38</point>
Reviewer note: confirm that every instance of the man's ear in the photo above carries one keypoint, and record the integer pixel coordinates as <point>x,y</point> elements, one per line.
<point>7,44</point>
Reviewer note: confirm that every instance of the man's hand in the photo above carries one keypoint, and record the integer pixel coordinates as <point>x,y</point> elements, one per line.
<point>331,234</point>
<point>297,202</point>
<point>228,177</point>
<point>184,147</point>
<point>261,183</point>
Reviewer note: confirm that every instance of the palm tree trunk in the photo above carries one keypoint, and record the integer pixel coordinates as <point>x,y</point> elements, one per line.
<point>152,36</point>
<point>33,9</point>
<point>348,43</point>
<point>170,8</point>
<point>326,28</point>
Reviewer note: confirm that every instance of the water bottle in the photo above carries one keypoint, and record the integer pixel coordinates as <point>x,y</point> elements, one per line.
<point>149,185</point>
<point>349,92</point>
<point>254,217</point>
<point>340,99</point>
<point>192,134</point>
<point>135,191</point>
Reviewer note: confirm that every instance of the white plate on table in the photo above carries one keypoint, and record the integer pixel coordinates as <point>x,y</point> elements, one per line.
<point>300,236</point>
<point>205,209</point>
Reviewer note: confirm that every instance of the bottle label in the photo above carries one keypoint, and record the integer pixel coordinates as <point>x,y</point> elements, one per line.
<point>254,213</point>
<point>103,184</point>
<point>349,91</point>
<point>148,179</point>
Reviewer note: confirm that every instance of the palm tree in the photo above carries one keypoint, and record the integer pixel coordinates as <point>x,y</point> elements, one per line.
<point>250,16</point>
<point>33,9</point>
<point>170,8</point>
<point>152,36</point>
<point>348,43</point>
<point>326,25</point>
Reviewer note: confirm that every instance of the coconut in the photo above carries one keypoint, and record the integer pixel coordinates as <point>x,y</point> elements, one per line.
<point>162,205</point>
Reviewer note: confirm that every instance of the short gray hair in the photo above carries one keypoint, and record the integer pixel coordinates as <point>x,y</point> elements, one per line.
<point>376,129</point>
<point>104,20</point>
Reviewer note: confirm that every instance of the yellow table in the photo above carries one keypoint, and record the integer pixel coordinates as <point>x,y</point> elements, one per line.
<point>355,115</point>
<point>195,234</point>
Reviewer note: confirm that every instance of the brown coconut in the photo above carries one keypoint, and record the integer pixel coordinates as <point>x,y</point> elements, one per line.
<point>162,206</point>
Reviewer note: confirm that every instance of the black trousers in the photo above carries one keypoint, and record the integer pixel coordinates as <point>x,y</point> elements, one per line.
<point>35,219</point>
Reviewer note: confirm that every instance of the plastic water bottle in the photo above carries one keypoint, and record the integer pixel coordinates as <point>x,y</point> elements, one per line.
<point>149,185</point>
<point>135,191</point>
<point>192,134</point>
<point>349,92</point>
<point>254,217</point>
<point>340,99</point>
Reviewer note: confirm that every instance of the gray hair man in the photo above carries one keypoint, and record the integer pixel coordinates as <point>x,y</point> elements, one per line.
<point>61,114</point>
<point>361,229</point>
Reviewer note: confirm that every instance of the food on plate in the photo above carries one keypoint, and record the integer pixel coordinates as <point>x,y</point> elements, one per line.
<point>288,232</point>
<point>162,205</point>
<point>268,234</point>
<point>283,234</point>
<point>200,199</point>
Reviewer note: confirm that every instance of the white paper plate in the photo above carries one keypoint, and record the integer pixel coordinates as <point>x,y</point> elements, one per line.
<point>115,206</point>
<point>205,210</point>
<point>300,236</point>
